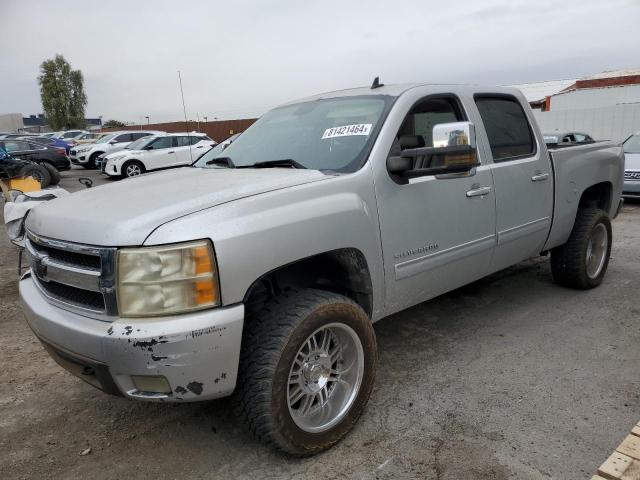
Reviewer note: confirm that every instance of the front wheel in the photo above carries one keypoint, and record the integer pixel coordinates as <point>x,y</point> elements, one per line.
<point>132,169</point>
<point>582,261</point>
<point>307,369</point>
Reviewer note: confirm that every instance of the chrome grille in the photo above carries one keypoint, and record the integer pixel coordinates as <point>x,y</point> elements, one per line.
<point>629,175</point>
<point>78,277</point>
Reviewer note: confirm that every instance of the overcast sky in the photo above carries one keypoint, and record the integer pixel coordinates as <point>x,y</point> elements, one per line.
<point>239,58</point>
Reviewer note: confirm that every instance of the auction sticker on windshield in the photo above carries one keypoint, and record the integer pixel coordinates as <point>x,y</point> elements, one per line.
<point>347,130</point>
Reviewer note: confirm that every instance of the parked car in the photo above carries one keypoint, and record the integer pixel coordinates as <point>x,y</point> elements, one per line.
<point>260,270</point>
<point>566,138</point>
<point>11,167</point>
<point>17,135</point>
<point>156,153</point>
<point>69,134</point>
<point>89,138</point>
<point>52,142</point>
<point>37,152</point>
<point>86,155</point>
<point>631,148</point>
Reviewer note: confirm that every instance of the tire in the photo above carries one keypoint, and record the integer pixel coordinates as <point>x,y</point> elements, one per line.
<point>130,168</point>
<point>38,172</point>
<point>53,172</point>
<point>91,164</point>
<point>268,378</point>
<point>582,262</point>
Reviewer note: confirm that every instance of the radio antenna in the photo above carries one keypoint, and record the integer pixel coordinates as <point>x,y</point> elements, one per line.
<point>184,109</point>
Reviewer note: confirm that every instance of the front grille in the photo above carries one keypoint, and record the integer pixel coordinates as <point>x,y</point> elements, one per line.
<point>77,296</point>
<point>69,258</point>
<point>629,175</point>
<point>72,152</point>
<point>77,276</point>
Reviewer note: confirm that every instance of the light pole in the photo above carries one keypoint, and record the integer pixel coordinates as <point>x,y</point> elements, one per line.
<point>147,117</point>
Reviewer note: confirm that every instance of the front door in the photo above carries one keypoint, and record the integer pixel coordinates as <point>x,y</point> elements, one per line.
<point>522,177</point>
<point>161,153</point>
<point>438,232</point>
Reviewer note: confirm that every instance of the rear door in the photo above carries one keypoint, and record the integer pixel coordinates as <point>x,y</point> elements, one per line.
<point>183,150</point>
<point>522,178</point>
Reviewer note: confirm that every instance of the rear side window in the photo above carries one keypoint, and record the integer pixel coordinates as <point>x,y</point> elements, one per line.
<point>16,146</point>
<point>507,127</point>
<point>138,135</point>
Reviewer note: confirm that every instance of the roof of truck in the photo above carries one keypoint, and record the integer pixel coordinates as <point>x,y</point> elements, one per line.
<point>395,90</point>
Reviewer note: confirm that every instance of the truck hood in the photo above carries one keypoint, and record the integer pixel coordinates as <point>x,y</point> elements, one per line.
<point>632,161</point>
<point>126,212</point>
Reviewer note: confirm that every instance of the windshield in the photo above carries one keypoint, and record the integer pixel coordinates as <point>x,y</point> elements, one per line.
<point>331,134</point>
<point>139,144</point>
<point>632,144</point>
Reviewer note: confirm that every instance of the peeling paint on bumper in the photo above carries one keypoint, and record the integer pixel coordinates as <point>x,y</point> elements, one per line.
<point>197,353</point>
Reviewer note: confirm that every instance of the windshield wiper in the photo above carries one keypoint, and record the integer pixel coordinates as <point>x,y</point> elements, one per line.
<point>285,162</point>
<point>224,161</point>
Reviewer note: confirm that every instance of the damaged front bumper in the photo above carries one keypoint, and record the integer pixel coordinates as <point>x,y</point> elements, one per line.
<point>196,354</point>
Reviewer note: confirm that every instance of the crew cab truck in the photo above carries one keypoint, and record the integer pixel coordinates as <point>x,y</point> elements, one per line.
<point>259,271</point>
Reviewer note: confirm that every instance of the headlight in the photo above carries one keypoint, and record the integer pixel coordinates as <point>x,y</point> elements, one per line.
<point>167,280</point>
<point>117,157</point>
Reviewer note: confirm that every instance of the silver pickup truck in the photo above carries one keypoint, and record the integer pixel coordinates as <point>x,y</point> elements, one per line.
<point>260,270</point>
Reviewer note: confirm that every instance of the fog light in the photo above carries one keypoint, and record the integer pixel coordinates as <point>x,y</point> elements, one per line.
<point>151,383</point>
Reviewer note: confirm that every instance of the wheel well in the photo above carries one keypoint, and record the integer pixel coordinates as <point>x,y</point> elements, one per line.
<point>96,154</point>
<point>597,196</point>
<point>342,271</point>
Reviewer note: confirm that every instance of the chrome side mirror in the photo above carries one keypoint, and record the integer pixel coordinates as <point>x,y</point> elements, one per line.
<point>454,134</point>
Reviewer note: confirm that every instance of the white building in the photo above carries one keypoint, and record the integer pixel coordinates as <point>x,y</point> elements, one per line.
<point>606,105</point>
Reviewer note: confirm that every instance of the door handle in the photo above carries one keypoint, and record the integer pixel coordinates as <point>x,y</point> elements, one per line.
<point>478,192</point>
<point>539,177</point>
<point>170,152</point>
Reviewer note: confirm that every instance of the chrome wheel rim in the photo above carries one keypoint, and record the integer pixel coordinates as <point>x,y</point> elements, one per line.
<point>133,170</point>
<point>325,377</point>
<point>597,250</point>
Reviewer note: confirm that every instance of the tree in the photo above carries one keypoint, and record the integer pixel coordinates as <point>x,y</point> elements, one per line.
<point>114,124</point>
<point>62,94</point>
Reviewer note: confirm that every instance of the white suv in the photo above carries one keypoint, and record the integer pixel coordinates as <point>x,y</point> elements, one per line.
<point>86,155</point>
<point>157,152</point>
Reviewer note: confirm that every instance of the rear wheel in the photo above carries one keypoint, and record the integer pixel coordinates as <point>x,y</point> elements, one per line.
<point>582,261</point>
<point>307,369</point>
<point>132,168</point>
<point>55,175</point>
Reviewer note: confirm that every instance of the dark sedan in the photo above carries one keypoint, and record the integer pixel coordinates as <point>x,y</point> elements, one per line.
<point>37,152</point>
<point>52,142</point>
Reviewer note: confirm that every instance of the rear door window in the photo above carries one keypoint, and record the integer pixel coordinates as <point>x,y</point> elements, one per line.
<point>507,127</point>
<point>183,141</point>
